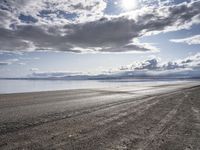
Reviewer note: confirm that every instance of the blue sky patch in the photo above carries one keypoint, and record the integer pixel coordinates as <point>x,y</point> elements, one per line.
<point>27,18</point>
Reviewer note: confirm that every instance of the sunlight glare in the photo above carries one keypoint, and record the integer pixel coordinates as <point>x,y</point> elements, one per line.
<point>129,4</point>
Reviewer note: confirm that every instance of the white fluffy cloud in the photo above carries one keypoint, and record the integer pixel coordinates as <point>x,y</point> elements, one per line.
<point>189,40</point>
<point>52,12</point>
<point>155,64</point>
<point>81,26</point>
<point>187,68</point>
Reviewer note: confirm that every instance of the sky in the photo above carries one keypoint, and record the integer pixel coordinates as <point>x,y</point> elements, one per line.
<point>152,37</point>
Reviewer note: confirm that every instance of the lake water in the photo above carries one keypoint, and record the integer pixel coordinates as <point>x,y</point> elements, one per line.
<point>20,86</point>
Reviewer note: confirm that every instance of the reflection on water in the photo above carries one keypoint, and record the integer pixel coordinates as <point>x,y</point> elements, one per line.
<point>20,86</point>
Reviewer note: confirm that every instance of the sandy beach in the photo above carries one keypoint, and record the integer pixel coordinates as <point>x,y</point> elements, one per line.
<point>163,117</point>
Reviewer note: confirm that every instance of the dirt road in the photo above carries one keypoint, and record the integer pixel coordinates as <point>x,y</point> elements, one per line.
<point>101,119</point>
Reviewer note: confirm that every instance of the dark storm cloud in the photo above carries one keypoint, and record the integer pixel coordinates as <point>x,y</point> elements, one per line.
<point>109,34</point>
<point>112,35</point>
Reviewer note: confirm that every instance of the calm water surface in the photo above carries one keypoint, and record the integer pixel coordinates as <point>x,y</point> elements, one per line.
<point>20,86</point>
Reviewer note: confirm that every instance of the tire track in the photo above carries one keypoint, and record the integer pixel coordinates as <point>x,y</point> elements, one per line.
<point>85,134</point>
<point>158,130</point>
<point>115,125</point>
<point>22,124</point>
<point>105,127</point>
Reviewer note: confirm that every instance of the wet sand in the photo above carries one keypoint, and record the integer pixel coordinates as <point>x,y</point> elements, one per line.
<point>163,117</point>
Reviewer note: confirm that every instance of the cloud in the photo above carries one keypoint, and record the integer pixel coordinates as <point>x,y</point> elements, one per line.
<point>34,69</point>
<point>8,62</point>
<point>188,67</point>
<point>189,40</point>
<point>50,11</point>
<point>22,63</point>
<point>53,74</point>
<point>4,63</point>
<point>155,64</point>
<point>45,25</point>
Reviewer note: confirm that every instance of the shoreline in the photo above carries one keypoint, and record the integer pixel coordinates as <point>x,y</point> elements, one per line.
<point>23,90</point>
